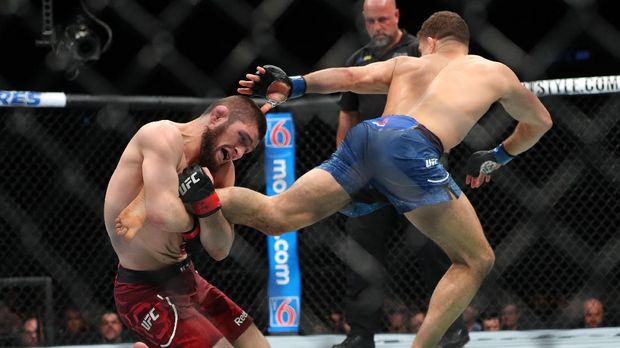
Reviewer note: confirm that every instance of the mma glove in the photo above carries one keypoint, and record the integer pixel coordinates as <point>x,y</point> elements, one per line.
<point>196,188</point>
<point>296,84</point>
<point>486,162</point>
<point>191,242</point>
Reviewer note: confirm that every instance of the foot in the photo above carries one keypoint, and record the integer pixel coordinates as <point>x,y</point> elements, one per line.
<point>132,218</point>
<point>356,342</point>
<point>455,338</point>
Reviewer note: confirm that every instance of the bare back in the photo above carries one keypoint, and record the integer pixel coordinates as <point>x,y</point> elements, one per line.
<point>152,248</point>
<point>447,95</point>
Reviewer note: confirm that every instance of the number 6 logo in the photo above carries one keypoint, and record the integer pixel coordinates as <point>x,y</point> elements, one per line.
<point>285,314</point>
<point>279,135</point>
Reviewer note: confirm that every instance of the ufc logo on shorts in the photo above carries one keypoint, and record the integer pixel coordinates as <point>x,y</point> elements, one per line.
<point>240,319</point>
<point>185,185</point>
<point>149,318</point>
<point>430,162</point>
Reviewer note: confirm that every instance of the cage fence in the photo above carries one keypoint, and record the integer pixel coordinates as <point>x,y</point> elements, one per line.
<point>551,215</point>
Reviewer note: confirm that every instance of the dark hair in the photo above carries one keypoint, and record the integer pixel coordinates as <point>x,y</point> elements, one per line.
<point>490,314</point>
<point>445,24</point>
<point>244,109</point>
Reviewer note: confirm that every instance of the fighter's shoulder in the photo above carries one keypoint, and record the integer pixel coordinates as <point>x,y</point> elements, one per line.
<point>498,74</point>
<point>479,62</point>
<point>409,63</point>
<point>160,134</point>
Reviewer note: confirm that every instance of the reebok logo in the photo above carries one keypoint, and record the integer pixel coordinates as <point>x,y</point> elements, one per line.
<point>431,162</point>
<point>187,184</point>
<point>240,319</point>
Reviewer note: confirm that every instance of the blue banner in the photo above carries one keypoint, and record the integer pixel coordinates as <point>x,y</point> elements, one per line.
<point>284,289</point>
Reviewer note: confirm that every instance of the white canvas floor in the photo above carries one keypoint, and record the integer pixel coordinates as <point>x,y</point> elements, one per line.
<point>580,338</point>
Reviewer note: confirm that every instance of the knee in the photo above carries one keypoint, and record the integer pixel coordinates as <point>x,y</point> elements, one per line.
<point>274,229</point>
<point>272,221</point>
<point>485,261</point>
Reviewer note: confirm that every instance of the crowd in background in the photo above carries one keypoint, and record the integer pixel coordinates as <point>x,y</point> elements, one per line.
<point>28,329</point>
<point>398,318</point>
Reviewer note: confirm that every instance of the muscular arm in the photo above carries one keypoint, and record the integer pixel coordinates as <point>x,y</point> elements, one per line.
<point>346,121</point>
<point>373,78</point>
<point>161,148</point>
<point>217,234</point>
<point>525,107</point>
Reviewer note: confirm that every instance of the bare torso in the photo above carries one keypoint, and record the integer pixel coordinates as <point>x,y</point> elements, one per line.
<point>151,248</point>
<point>448,96</point>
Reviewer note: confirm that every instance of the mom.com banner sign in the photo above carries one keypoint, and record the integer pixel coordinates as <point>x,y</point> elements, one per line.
<point>284,289</point>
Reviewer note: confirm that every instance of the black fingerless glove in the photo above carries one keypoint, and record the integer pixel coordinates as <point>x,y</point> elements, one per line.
<point>297,84</point>
<point>196,188</point>
<point>486,162</point>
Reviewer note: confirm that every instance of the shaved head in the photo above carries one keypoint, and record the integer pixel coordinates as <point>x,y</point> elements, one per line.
<point>379,4</point>
<point>381,20</point>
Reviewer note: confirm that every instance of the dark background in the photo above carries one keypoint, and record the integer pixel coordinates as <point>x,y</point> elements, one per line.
<point>201,48</point>
<point>554,228</point>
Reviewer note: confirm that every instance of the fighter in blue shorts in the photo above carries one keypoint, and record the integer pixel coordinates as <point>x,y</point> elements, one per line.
<point>432,103</point>
<point>397,156</point>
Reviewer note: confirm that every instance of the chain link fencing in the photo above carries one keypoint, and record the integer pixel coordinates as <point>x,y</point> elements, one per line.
<point>551,215</point>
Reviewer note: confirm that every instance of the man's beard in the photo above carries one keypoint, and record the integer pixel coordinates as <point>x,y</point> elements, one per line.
<point>380,41</point>
<point>207,157</point>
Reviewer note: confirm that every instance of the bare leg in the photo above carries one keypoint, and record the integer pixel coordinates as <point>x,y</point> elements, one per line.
<point>139,345</point>
<point>251,338</point>
<point>455,227</point>
<point>223,343</point>
<point>132,218</point>
<point>314,196</point>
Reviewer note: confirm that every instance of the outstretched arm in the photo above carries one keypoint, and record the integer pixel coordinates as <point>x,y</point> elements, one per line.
<point>373,78</point>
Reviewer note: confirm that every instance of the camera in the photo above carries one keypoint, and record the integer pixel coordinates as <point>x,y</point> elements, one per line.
<point>73,45</point>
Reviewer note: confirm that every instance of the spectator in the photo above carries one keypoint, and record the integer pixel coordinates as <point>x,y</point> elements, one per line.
<point>415,321</point>
<point>9,325</point>
<point>470,316</point>
<point>593,313</point>
<point>75,329</point>
<point>397,320</point>
<point>337,323</point>
<point>490,321</point>
<point>111,328</point>
<point>31,333</point>
<point>510,317</point>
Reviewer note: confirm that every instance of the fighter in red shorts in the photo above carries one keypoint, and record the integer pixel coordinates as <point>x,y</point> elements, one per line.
<point>158,294</point>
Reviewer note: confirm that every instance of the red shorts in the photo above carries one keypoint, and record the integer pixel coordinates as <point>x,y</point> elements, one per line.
<point>176,307</point>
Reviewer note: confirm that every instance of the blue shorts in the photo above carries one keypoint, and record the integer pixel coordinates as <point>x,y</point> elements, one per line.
<point>397,156</point>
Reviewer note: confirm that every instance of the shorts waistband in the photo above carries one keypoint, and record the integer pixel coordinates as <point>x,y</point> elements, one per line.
<point>430,136</point>
<point>403,122</point>
<point>152,277</point>
<point>392,121</point>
